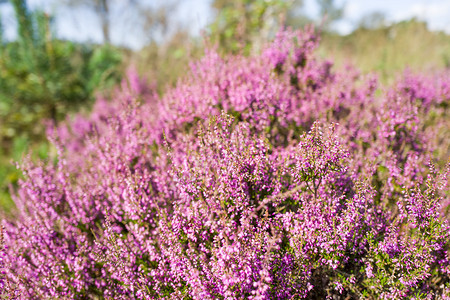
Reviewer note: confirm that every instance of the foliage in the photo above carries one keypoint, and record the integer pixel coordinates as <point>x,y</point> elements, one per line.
<point>241,25</point>
<point>43,78</point>
<point>239,183</point>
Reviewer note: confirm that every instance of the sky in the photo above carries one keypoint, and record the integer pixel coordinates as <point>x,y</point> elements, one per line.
<point>82,25</point>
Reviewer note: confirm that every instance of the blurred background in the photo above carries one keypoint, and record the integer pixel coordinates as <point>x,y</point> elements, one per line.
<point>56,56</point>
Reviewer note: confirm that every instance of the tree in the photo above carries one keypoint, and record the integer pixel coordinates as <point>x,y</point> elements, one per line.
<point>330,12</point>
<point>102,10</point>
<point>145,19</point>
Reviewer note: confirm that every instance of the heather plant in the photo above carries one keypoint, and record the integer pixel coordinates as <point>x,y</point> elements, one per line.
<point>264,177</point>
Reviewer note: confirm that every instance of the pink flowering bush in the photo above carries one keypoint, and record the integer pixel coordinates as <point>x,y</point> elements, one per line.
<point>262,177</point>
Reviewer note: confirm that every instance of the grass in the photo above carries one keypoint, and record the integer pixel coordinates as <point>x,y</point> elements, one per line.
<point>389,50</point>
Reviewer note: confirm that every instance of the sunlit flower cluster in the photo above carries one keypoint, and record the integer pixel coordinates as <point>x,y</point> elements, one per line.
<point>264,177</point>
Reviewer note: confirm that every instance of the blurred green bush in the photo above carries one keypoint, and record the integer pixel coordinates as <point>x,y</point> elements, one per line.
<point>43,79</point>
